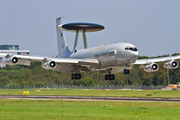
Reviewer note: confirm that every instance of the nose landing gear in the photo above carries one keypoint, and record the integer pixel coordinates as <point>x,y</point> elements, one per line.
<point>126,71</point>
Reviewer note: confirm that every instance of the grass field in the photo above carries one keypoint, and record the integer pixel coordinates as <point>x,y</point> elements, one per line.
<point>87,110</point>
<point>77,92</point>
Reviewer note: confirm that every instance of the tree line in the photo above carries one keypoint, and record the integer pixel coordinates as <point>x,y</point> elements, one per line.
<point>36,75</point>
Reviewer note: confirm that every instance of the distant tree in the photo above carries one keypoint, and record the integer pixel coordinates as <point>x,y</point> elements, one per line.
<point>87,81</point>
<point>175,54</point>
<point>143,57</point>
<point>4,81</point>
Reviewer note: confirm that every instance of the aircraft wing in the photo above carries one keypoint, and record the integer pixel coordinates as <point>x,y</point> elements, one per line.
<point>163,59</point>
<point>150,65</point>
<point>64,65</point>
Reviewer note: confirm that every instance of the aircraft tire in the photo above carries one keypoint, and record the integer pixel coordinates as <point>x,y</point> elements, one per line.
<point>126,71</point>
<point>105,77</point>
<point>110,77</point>
<point>72,76</point>
<point>76,76</point>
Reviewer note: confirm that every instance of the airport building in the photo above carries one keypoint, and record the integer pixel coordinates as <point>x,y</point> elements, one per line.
<point>11,49</point>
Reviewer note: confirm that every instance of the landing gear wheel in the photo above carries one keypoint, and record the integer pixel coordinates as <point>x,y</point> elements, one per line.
<point>110,77</point>
<point>76,76</point>
<point>73,76</point>
<point>106,77</point>
<point>126,71</point>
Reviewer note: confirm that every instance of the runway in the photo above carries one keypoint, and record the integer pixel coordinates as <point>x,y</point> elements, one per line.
<point>91,98</point>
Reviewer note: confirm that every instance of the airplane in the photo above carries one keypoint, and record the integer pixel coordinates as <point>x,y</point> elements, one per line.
<point>111,59</point>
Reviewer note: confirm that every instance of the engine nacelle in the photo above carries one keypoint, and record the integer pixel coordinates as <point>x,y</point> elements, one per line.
<point>49,65</point>
<point>12,61</point>
<point>151,68</point>
<point>171,65</point>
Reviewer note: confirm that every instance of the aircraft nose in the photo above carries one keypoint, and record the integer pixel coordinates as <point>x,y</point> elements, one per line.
<point>136,54</point>
<point>134,57</point>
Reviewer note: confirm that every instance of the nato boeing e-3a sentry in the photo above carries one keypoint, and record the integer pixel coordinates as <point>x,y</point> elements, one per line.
<point>111,59</point>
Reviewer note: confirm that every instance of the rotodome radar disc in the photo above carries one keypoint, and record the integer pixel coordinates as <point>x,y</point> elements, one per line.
<point>87,27</point>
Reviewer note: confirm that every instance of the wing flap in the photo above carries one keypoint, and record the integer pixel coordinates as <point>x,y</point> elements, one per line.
<point>24,62</point>
<point>63,68</point>
<point>85,62</point>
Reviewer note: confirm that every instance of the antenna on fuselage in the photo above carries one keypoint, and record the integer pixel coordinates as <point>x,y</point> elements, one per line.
<point>80,27</point>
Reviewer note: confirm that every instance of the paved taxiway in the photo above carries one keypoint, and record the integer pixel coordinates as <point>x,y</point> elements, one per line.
<point>90,98</point>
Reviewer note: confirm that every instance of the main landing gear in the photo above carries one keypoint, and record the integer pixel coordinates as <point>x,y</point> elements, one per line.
<point>109,77</point>
<point>126,71</point>
<point>76,76</point>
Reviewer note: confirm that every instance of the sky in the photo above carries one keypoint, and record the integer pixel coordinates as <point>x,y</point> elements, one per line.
<point>153,26</point>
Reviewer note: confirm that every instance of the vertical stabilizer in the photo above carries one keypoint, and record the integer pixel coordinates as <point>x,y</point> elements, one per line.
<point>61,41</point>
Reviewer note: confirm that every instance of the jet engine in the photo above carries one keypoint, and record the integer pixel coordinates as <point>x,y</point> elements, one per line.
<point>12,61</point>
<point>153,67</point>
<point>171,65</point>
<point>49,65</point>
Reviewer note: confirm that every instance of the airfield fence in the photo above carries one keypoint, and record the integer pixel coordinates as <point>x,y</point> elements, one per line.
<point>58,86</point>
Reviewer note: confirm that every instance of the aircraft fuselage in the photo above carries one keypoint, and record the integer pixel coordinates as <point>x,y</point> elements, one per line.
<point>119,54</point>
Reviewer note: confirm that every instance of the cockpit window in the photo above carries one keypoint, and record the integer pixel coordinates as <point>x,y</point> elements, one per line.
<point>131,48</point>
<point>135,49</point>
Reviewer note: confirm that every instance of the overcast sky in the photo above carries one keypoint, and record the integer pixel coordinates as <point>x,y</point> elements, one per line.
<point>153,26</point>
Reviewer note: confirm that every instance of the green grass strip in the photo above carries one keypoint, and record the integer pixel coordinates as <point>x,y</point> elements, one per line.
<point>78,92</point>
<point>87,110</point>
